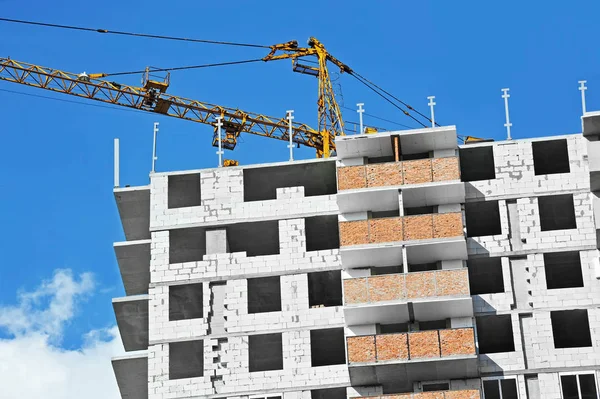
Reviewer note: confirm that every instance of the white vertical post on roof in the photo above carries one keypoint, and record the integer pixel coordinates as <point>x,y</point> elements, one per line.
<point>431,104</point>
<point>220,152</point>
<point>360,111</point>
<point>116,160</point>
<point>582,89</point>
<point>290,118</point>
<point>505,96</point>
<point>154,157</point>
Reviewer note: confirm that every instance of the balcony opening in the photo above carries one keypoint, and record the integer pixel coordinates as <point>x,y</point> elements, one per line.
<point>385,214</point>
<point>187,245</point>
<point>571,328</point>
<point>183,190</point>
<point>557,212</point>
<point>393,328</point>
<point>433,325</point>
<point>257,238</point>
<point>563,270</point>
<point>265,352</point>
<point>413,157</point>
<point>185,302</point>
<point>325,289</point>
<point>378,271</point>
<point>485,275</point>
<point>477,163</point>
<point>424,267</point>
<point>389,158</point>
<point>435,386</point>
<point>186,359</point>
<point>550,157</point>
<point>573,384</point>
<point>495,334</point>
<point>420,210</point>
<point>483,218</point>
<point>329,393</point>
<point>264,294</point>
<point>500,389</point>
<point>317,178</point>
<point>327,347</point>
<point>322,232</point>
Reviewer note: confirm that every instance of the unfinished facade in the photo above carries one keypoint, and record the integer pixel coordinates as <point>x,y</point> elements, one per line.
<point>407,267</point>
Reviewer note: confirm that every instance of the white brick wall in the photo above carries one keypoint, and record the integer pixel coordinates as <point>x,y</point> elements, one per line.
<point>505,361</point>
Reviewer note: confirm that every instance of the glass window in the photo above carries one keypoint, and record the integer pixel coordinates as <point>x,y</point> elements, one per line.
<point>579,386</point>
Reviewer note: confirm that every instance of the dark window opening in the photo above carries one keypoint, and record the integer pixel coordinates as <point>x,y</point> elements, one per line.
<point>432,325</point>
<point>420,210</point>
<point>325,289</point>
<point>483,218</point>
<point>256,238</point>
<point>185,302</point>
<point>187,245</point>
<point>183,190</point>
<point>563,270</point>
<point>318,178</point>
<point>550,157</point>
<point>264,294</point>
<point>571,328</point>
<point>265,352</point>
<point>389,158</point>
<point>587,385</point>
<point>186,359</point>
<point>385,214</point>
<point>495,334</point>
<point>508,387</point>
<point>330,393</point>
<point>322,232</point>
<point>378,271</point>
<point>557,212</point>
<point>327,347</point>
<point>477,163</point>
<point>393,328</point>
<point>412,157</point>
<point>440,386</point>
<point>424,267</point>
<point>485,275</point>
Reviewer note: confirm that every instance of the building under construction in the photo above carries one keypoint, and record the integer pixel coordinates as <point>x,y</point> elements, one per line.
<point>405,267</point>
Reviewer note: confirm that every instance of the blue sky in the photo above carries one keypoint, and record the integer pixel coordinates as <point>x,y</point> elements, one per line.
<point>57,206</point>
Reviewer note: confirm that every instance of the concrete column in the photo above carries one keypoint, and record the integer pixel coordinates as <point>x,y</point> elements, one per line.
<point>216,241</point>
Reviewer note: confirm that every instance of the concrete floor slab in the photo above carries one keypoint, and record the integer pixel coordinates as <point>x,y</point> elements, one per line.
<point>132,319</point>
<point>131,372</point>
<point>133,258</point>
<point>133,204</point>
<point>591,123</point>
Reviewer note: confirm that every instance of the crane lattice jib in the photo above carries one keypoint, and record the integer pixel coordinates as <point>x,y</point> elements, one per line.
<point>162,103</point>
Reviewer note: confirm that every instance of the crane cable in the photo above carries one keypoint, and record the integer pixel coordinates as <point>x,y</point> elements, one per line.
<point>185,67</point>
<point>115,32</point>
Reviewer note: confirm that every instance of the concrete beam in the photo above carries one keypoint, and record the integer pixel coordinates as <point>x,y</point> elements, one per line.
<point>132,319</point>
<point>131,372</point>
<point>591,123</point>
<point>133,258</point>
<point>133,204</point>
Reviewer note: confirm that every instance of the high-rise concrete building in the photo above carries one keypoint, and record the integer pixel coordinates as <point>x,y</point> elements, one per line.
<point>406,268</point>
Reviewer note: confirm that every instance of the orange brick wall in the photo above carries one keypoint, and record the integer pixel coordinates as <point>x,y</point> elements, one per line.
<point>445,169</point>
<point>452,282</point>
<point>418,227</point>
<point>361,349</point>
<point>417,172</point>
<point>463,394</point>
<point>447,225</point>
<point>460,341</point>
<point>386,288</point>
<point>424,344</point>
<point>429,395</point>
<point>351,177</point>
<point>355,291</point>
<point>384,174</point>
<point>354,233</point>
<point>385,230</point>
<point>420,285</point>
<point>392,347</point>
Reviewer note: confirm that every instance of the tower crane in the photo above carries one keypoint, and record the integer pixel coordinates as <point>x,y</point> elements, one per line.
<point>152,97</point>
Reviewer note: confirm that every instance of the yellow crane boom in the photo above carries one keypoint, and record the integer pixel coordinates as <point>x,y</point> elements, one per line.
<point>152,98</point>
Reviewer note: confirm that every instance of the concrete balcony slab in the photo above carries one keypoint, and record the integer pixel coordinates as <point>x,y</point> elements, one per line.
<point>412,141</point>
<point>132,319</point>
<point>131,372</point>
<point>133,258</point>
<point>133,204</point>
<point>594,164</point>
<point>591,123</point>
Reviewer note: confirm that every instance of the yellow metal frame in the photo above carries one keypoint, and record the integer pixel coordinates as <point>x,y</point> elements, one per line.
<point>153,100</point>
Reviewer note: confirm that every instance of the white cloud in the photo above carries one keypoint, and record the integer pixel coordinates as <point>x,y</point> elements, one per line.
<point>32,363</point>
